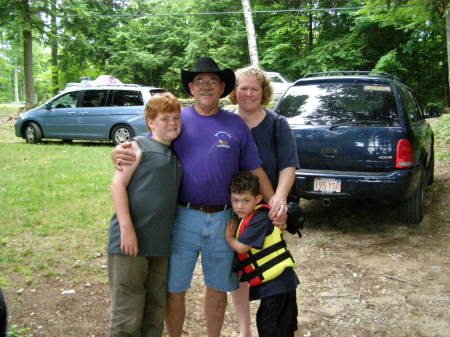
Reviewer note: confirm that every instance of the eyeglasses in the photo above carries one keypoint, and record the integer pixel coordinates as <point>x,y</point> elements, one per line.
<point>204,83</point>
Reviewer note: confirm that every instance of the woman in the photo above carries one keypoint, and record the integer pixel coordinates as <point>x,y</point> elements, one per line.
<point>277,149</point>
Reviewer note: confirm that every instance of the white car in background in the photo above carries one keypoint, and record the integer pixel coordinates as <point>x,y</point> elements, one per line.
<point>279,83</point>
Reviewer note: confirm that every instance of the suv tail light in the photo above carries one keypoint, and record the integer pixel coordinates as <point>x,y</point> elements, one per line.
<point>405,154</point>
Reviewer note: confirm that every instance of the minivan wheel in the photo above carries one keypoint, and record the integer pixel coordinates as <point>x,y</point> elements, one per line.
<point>32,133</point>
<point>411,210</point>
<point>121,134</point>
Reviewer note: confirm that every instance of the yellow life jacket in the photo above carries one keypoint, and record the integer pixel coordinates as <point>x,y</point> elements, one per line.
<point>258,266</point>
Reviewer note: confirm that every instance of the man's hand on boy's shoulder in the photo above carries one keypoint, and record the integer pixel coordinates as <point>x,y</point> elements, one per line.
<point>122,155</point>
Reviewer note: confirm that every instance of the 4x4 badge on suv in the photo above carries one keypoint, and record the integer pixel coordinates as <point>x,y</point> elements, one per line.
<point>329,151</point>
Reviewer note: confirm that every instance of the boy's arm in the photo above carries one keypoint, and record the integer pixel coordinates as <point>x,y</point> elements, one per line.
<point>121,179</point>
<point>231,239</point>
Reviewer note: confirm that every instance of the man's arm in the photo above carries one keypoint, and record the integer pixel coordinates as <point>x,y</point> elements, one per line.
<point>265,187</point>
<point>121,179</point>
<point>122,155</point>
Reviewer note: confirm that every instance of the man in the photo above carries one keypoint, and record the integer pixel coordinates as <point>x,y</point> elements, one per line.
<point>213,145</point>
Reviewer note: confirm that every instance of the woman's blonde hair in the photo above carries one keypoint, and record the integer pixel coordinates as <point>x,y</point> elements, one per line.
<point>261,77</point>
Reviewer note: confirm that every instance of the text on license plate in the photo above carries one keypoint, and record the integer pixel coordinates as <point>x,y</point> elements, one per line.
<point>327,185</point>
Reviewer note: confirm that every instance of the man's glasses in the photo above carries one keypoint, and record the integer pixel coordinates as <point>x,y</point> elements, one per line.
<point>204,83</point>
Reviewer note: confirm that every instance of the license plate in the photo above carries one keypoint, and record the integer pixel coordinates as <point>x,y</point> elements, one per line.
<point>327,185</point>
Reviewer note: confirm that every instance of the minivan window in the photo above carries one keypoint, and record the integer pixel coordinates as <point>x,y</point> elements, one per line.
<point>68,100</point>
<point>94,98</point>
<point>329,103</point>
<point>127,98</point>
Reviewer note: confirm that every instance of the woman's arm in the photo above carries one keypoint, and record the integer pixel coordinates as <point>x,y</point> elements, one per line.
<point>278,208</point>
<point>286,179</point>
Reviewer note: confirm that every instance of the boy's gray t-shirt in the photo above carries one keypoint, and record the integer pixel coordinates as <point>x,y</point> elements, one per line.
<point>152,196</point>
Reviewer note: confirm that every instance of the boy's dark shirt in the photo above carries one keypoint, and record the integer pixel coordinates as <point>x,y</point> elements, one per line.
<point>259,227</point>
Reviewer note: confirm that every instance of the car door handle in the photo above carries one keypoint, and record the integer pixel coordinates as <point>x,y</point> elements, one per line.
<point>83,112</point>
<point>70,112</point>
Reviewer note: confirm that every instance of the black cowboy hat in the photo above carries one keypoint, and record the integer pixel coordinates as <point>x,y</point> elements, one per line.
<point>206,64</point>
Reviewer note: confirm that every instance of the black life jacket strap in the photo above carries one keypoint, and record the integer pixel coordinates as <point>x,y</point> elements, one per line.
<point>253,258</point>
<point>269,264</point>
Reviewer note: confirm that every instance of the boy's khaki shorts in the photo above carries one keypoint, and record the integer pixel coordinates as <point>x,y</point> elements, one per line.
<point>138,295</point>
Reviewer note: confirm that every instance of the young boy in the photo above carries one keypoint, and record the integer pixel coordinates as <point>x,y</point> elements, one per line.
<point>145,198</point>
<point>264,260</point>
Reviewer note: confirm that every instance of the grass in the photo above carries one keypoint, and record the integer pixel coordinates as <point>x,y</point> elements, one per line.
<point>55,207</point>
<point>14,331</point>
<point>441,128</point>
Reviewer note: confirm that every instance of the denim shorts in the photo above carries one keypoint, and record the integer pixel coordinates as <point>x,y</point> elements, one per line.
<point>197,233</point>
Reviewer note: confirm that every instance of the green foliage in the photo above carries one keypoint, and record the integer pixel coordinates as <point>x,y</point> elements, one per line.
<point>148,42</point>
<point>389,63</point>
<point>441,130</point>
<point>14,331</point>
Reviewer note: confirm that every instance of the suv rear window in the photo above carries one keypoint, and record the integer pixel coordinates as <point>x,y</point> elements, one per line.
<point>330,103</point>
<point>127,98</point>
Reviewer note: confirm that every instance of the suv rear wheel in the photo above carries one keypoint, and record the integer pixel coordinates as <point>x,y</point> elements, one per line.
<point>411,210</point>
<point>121,134</point>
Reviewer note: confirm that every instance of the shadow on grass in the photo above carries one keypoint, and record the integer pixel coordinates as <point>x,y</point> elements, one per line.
<point>74,143</point>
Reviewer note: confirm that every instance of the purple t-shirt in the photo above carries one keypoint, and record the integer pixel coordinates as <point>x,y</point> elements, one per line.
<point>211,149</point>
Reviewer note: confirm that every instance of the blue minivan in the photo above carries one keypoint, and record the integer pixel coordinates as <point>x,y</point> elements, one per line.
<point>361,135</point>
<point>110,113</point>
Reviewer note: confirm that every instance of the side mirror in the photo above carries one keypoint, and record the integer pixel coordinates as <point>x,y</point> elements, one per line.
<point>434,111</point>
<point>48,106</point>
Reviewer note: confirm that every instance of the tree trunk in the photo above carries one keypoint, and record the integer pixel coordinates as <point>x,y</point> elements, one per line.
<point>16,83</point>
<point>447,25</point>
<point>54,47</point>
<point>251,35</point>
<point>30,93</point>
<point>310,31</point>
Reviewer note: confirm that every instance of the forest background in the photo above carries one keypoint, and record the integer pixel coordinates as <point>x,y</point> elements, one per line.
<point>148,42</point>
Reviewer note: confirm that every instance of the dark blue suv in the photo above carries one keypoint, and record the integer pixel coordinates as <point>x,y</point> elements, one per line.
<point>361,135</point>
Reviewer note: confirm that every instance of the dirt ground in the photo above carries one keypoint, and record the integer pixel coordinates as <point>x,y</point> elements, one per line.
<point>362,274</point>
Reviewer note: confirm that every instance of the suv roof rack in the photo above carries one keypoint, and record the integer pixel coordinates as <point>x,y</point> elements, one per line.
<point>113,85</point>
<point>352,72</point>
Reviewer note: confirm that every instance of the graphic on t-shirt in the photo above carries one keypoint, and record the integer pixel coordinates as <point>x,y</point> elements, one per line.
<point>221,141</point>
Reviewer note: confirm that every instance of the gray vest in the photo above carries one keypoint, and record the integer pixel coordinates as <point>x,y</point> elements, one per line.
<point>152,196</point>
